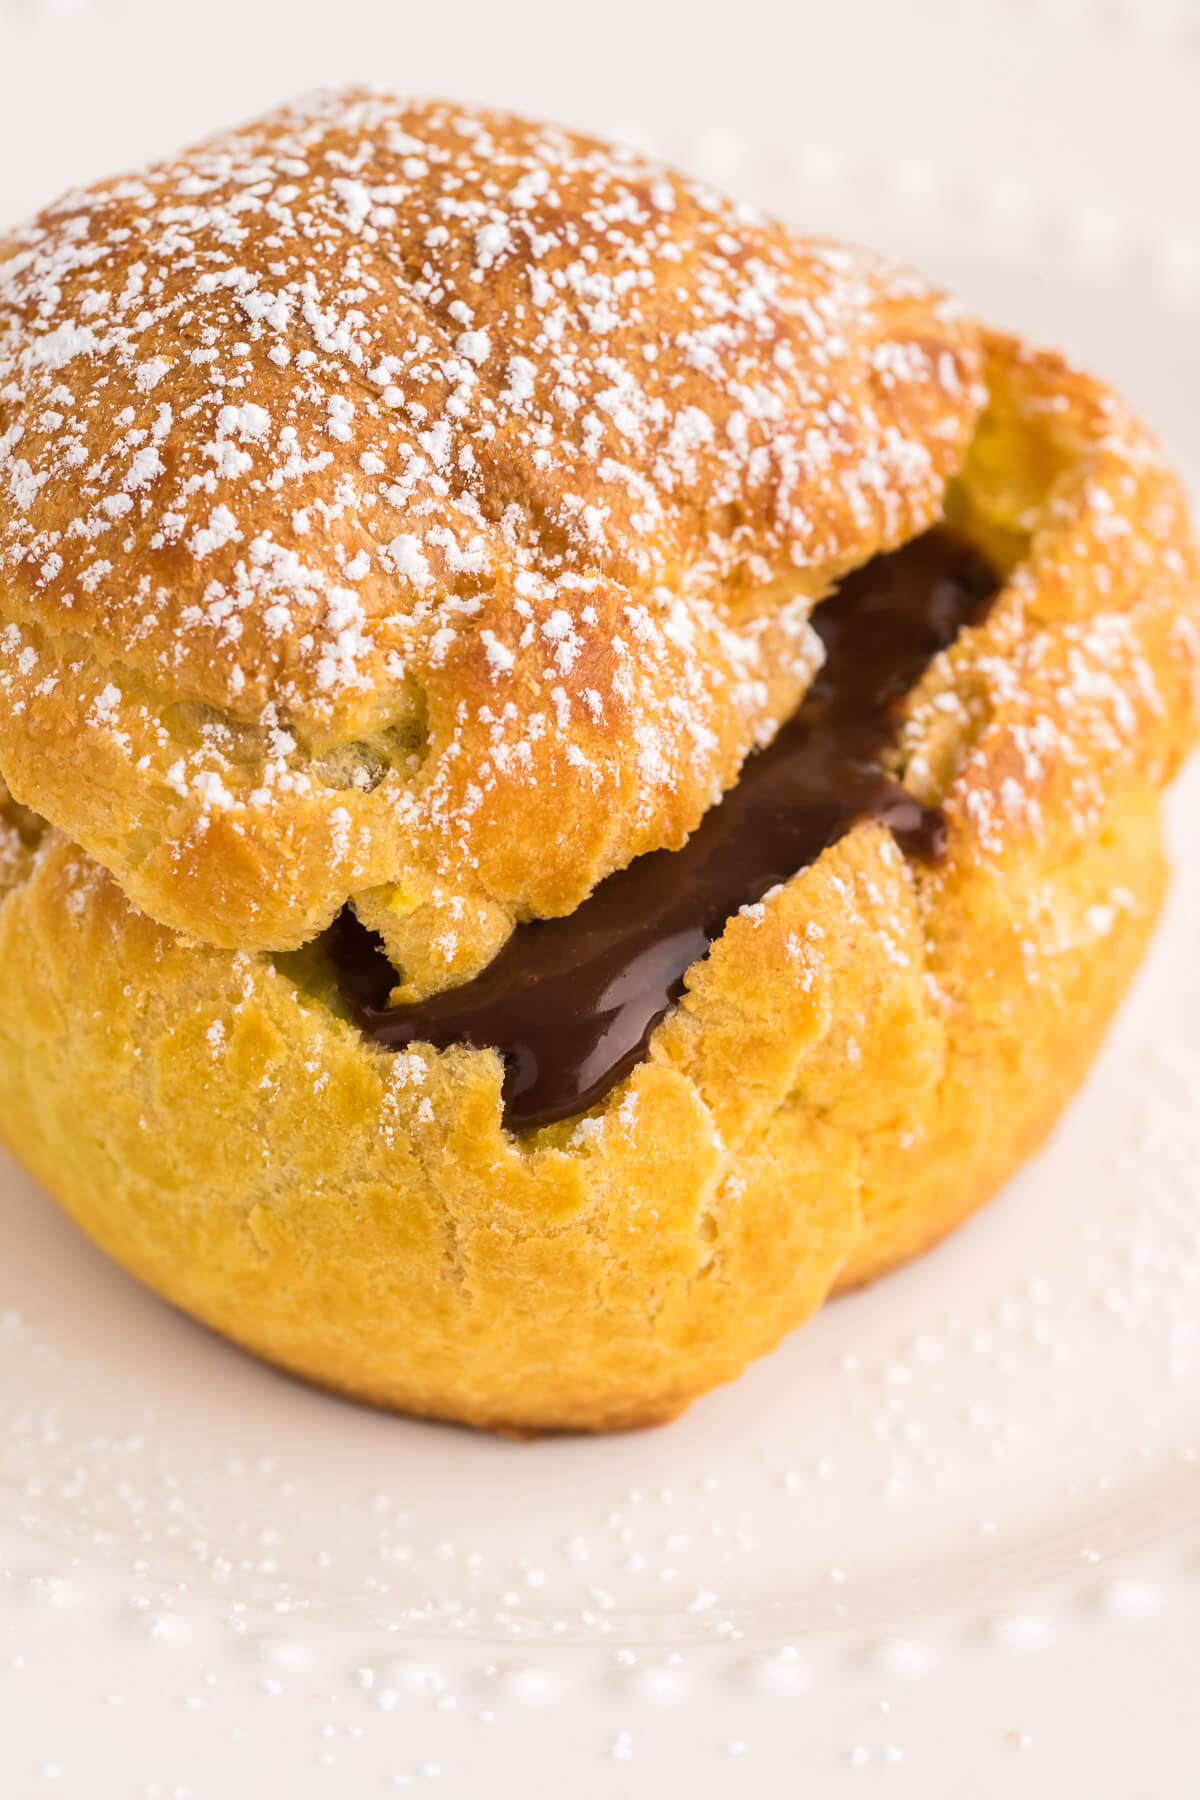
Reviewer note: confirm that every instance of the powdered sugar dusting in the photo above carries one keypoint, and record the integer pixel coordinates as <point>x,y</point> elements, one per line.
<point>374,410</point>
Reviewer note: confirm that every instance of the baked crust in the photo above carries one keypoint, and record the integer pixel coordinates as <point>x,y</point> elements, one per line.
<point>425,506</point>
<point>857,1064</point>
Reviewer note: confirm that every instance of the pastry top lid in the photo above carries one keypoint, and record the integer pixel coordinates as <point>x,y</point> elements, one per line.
<point>420,505</point>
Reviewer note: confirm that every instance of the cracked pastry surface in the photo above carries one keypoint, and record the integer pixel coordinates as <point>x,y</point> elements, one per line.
<point>425,506</point>
<point>863,1056</point>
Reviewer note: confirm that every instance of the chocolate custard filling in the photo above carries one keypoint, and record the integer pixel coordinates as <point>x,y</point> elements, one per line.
<point>570,1003</point>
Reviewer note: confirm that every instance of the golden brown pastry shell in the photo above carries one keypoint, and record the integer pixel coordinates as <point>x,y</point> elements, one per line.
<point>439,538</point>
<point>856,1066</point>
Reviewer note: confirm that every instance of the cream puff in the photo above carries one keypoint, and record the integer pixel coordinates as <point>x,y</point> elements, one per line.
<point>581,770</point>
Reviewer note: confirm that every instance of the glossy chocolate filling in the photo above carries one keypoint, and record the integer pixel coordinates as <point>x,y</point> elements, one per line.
<point>570,1003</point>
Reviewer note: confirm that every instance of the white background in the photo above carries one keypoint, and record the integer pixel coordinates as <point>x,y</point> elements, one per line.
<point>945,1542</point>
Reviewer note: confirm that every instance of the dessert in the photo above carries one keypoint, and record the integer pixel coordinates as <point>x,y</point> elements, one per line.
<point>581,770</point>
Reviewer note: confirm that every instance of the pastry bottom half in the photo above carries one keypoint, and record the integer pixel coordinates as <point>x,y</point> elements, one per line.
<point>859,1063</point>
<point>357,1218</point>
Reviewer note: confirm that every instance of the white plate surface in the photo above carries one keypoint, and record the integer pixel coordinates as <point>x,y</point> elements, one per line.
<point>946,1541</point>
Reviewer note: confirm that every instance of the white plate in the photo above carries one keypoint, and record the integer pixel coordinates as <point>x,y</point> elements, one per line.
<point>946,1539</point>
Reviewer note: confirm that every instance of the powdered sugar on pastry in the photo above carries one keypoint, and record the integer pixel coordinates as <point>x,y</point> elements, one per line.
<point>419,504</point>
